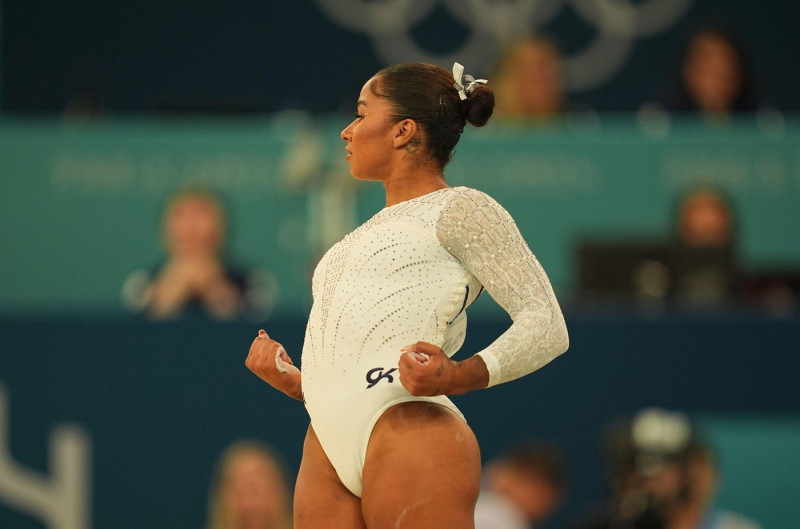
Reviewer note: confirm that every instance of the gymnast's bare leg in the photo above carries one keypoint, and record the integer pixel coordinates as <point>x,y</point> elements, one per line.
<point>321,501</point>
<point>422,470</point>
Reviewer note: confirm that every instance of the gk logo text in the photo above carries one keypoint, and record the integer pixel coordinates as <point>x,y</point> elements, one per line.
<point>375,375</point>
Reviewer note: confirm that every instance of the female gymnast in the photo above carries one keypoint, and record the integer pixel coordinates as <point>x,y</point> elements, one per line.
<point>386,448</point>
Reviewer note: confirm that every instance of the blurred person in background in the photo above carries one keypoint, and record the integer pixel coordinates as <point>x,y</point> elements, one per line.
<point>196,280</point>
<point>714,78</point>
<point>529,81</point>
<point>663,476</point>
<point>249,490</point>
<point>705,219</point>
<point>522,488</point>
<point>694,266</point>
<point>704,261</point>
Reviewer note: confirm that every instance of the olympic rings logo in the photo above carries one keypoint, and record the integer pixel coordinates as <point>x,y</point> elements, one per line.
<point>493,23</point>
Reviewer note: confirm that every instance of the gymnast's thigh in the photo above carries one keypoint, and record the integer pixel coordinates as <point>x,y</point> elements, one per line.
<point>321,501</point>
<point>422,470</point>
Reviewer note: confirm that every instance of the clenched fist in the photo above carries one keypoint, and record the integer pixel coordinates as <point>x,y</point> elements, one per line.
<point>269,360</point>
<point>426,371</point>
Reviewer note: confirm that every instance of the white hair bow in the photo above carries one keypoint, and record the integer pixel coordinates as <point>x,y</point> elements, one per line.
<point>458,75</point>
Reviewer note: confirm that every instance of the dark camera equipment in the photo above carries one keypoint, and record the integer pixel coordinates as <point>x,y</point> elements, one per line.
<point>649,458</point>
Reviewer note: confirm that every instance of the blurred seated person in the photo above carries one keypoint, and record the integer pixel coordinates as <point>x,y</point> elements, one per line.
<point>663,476</point>
<point>704,262</point>
<point>696,266</point>
<point>195,280</point>
<point>529,81</point>
<point>522,488</point>
<point>249,490</point>
<point>714,77</point>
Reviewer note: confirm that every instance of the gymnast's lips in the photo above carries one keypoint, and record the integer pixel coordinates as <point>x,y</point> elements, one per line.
<point>349,154</point>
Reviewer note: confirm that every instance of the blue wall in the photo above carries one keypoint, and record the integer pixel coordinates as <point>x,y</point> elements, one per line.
<point>160,401</point>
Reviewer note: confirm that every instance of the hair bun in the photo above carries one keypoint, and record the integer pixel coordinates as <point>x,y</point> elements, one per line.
<point>479,105</point>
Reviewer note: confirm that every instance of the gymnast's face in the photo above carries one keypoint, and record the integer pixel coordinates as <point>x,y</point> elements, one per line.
<point>369,137</point>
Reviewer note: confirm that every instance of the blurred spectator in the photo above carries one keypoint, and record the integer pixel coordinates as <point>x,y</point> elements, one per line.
<point>705,219</point>
<point>696,267</point>
<point>195,279</point>
<point>529,81</point>
<point>714,78</point>
<point>522,488</point>
<point>704,262</point>
<point>663,476</point>
<point>249,490</point>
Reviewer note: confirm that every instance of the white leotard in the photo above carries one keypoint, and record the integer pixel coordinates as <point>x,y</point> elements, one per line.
<point>408,274</point>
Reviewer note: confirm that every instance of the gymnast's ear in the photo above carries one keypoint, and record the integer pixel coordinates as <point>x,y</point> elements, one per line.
<point>403,132</point>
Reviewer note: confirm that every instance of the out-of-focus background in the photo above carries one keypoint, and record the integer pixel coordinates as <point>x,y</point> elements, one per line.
<point>648,149</point>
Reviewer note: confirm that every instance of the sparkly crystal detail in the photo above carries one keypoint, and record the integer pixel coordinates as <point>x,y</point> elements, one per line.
<point>409,273</point>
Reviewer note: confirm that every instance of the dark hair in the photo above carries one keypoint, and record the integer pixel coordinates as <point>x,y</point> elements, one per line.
<point>425,93</point>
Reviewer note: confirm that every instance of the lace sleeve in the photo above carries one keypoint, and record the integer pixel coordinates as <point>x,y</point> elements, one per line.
<point>482,235</point>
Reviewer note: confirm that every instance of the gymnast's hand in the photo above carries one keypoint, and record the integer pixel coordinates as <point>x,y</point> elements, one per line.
<point>268,359</point>
<point>426,371</point>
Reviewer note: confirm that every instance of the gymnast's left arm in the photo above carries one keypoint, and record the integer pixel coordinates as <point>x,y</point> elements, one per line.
<point>484,237</point>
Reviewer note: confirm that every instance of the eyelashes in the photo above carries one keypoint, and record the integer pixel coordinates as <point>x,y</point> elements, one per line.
<point>357,115</point>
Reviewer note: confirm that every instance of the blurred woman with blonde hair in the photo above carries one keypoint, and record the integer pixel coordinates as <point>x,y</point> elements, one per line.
<point>529,80</point>
<point>249,489</point>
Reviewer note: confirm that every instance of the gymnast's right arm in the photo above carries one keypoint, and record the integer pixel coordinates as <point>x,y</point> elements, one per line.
<point>268,359</point>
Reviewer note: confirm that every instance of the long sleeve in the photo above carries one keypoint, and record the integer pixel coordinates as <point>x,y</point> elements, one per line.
<point>482,235</point>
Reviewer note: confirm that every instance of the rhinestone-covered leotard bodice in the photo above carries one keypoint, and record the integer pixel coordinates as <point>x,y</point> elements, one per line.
<point>409,273</point>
